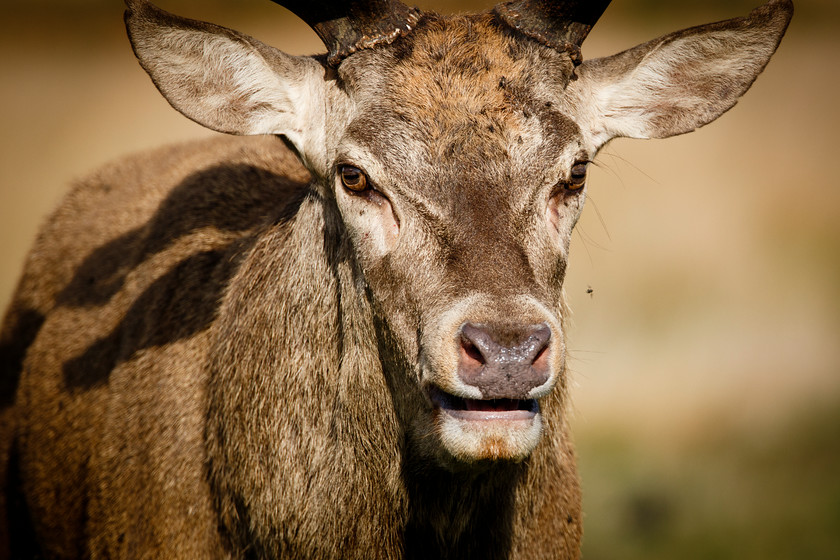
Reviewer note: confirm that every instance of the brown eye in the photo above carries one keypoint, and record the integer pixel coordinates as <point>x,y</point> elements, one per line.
<point>353,178</point>
<point>577,178</point>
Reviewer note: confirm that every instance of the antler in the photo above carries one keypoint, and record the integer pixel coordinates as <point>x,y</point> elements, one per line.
<point>349,26</point>
<point>559,24</point>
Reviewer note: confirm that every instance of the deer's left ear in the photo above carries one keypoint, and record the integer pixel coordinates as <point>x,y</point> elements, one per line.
<point>678,82</point>
<point>228,81</point>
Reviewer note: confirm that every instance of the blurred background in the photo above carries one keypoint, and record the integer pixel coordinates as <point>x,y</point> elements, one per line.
<point>705,281</point>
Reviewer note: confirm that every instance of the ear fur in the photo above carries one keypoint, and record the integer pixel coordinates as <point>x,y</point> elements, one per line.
<point>227,81</point>
<point>679,82</point>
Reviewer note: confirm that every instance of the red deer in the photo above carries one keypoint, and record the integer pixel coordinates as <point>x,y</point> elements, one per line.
<point>342,337</point>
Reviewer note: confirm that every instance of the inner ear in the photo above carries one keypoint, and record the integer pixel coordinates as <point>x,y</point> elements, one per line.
<point>681,81</point>
<point>230,82</point>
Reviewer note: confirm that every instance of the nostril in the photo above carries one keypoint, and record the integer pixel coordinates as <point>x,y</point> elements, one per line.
<point>478,343</point>
<point>540,339</point>
<point>470,352</point>
<point>541,360</point>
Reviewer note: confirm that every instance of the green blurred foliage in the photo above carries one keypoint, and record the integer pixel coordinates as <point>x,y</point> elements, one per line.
<point>772,496</point>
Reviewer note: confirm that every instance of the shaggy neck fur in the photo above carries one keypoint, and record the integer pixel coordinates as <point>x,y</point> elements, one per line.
<point>286,424</point>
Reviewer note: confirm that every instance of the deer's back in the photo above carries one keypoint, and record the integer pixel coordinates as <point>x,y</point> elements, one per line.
<point>103,345</point>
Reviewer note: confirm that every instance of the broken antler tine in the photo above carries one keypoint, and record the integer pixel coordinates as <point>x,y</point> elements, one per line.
<point>346,27</point>
<point>559,24</point>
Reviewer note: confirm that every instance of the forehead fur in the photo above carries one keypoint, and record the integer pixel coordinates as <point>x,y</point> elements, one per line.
<point>469,90</point>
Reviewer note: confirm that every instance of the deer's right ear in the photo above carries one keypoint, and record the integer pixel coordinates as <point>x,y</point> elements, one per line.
<point>228,81</point>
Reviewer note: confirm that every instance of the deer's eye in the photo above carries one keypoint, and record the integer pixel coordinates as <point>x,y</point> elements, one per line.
<point>353,178</point>
<point>577,178</point>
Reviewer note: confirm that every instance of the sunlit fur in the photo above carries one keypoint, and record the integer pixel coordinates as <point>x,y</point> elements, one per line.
<point>217,351</point>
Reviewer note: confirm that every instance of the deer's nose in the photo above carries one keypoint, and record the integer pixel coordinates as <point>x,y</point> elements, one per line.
<point>504,361</point>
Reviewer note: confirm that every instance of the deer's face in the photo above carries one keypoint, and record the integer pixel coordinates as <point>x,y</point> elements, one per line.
<point>456,158</point>
<point>459,176</point>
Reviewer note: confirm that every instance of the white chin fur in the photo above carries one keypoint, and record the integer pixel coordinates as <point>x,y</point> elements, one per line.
<point>489,439</point>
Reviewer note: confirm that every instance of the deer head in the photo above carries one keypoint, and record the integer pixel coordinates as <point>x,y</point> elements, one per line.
<point>453,151</point>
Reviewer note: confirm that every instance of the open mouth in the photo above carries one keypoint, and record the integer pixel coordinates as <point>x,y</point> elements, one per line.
<point>484,409</point>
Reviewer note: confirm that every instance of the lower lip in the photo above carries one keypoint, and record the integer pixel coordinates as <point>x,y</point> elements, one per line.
<point>491,416</point>
<point>482,411</point>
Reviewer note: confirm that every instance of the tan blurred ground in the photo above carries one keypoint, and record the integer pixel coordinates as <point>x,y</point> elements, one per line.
<point>714,258</point>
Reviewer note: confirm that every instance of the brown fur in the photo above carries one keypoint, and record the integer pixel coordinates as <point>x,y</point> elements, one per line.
<point>216,351</point>
<point>121,344</point>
